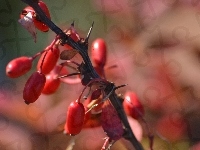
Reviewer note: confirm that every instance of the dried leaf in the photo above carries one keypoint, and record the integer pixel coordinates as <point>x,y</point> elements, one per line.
<point>28,24</point>
<point>68,54</point>
<point>111,122</point>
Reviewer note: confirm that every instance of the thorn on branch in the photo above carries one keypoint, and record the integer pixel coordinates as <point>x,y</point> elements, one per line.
<point>120,86</point>
<point>87,69</point>
<point>68,75</point>
<point>72,24</point>
<point>89,32</point>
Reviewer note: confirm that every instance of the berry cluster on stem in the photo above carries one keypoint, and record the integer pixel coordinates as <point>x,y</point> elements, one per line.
<point>87,70</point>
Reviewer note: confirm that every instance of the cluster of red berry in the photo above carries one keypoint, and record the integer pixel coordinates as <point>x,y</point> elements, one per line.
<point>45,80</point>
<point>49,75</point>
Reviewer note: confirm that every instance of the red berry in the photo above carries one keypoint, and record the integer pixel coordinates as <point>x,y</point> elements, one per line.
<point>18,66</point>
<point>50,60</point>
<point>173,127</point>
<point>132,105</point>
<point>51,85</point>
<point>87,115</point>
<point>110,121</point>
<point>37,22</point>
<point>91,119</point>
<point>91,103</point>
<point>73,34</point>
<point>75,118</point>
<point>52,82</point>
<point>34,87</point>
<point>99,52</point>
<point>26,10</point>
<point>96,94</point>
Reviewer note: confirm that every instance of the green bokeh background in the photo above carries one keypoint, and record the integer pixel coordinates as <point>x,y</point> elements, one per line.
<point>16,41</point>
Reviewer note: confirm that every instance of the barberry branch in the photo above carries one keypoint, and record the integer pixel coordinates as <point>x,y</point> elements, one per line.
<point>82,48</point>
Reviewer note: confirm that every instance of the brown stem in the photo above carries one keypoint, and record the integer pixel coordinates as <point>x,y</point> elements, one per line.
<point>83,51</point>
<point>121,113</point>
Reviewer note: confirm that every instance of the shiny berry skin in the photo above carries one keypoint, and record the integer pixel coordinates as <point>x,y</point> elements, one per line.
<point>50,60</point>
<point>110,122</point>
<point>75,118</point>
<point>38,23</point>
<point>99,52</point>
<point>33,87</point>
<point>18,66</point>
<point>51,85</point>
<point>132,105</point>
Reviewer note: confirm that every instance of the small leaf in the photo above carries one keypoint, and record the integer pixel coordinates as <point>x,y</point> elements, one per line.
<point>68,54</point>
<point>96,94</point>
<point>28,24</point>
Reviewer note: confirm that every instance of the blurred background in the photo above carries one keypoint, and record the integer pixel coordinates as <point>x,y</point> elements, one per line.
<point>156,47</point>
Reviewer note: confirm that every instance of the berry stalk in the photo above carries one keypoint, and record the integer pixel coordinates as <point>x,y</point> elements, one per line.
<point>82,48</point>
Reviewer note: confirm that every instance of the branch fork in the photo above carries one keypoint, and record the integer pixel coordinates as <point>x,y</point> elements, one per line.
<point>82,48</point>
